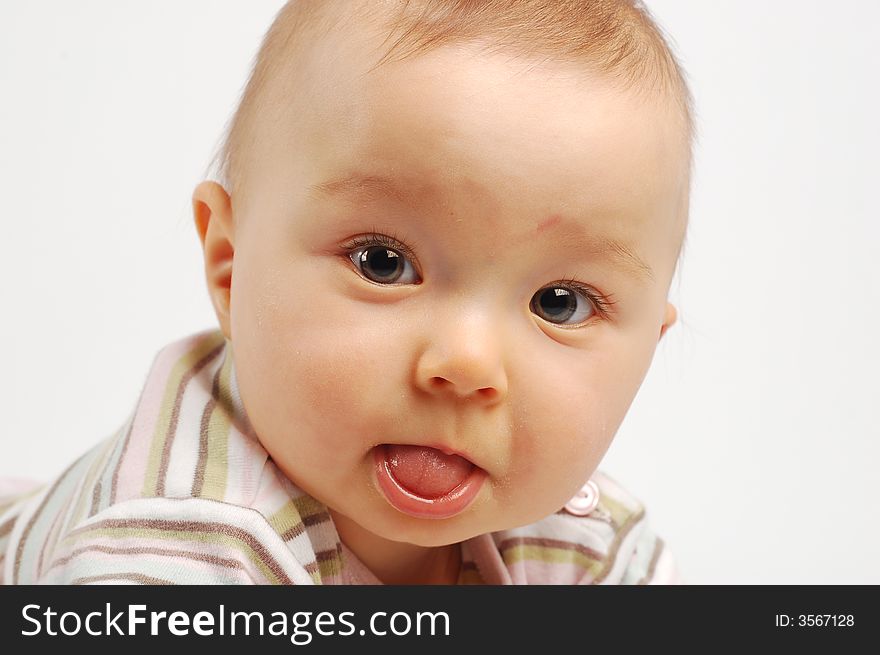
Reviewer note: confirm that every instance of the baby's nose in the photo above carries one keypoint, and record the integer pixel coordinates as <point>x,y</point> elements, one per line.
<point>463,357</point>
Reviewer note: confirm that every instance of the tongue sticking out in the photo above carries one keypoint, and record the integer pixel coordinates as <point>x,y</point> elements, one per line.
<point>426,472</point>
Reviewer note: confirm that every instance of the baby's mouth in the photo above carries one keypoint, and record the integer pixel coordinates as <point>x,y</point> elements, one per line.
<point>425,482</point>
<point>425,471</point>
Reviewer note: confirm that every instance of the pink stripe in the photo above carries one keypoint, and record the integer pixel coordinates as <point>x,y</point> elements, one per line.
<point>133,466</point>
<point>565,573</point>
<point>16,486</point>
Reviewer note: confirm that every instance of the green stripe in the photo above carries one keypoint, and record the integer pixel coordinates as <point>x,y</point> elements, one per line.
<point>113,463</point>
<point>331,566</point>
<point>288,518</point>
<point>308,506</point>
<point>183,366</point>
<point>550,555</point>
<point>217,465</point>
<point>619,512</point>
<point>285,518</point>
<point>84,502</point>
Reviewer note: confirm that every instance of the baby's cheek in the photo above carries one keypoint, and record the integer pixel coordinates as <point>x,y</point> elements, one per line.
<point>561,430</point>
<point>344,376</point>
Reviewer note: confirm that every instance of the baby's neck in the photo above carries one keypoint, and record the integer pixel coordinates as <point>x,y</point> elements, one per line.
<point>394,562</point>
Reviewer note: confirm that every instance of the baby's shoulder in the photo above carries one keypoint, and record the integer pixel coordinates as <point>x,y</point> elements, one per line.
<point>94,524</point>
<point>161,540</point>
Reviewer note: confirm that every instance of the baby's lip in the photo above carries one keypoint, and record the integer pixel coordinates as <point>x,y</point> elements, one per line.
<point>426,492</point>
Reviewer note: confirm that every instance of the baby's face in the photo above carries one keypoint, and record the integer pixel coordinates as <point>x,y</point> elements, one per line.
<point>445,301</point>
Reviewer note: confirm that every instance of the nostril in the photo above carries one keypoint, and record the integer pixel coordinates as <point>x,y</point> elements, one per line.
<point>488,393</point>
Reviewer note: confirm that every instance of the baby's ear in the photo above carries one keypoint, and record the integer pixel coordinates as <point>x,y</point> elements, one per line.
<point>212,212</point>
<point>210,201</point>
<point>668,319</point>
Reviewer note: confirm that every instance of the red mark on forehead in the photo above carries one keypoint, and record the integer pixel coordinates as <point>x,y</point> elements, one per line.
<point>550,222</point>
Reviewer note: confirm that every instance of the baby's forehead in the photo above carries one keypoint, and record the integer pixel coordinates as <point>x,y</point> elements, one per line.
<point>547,127</point>
<point>313,45</point>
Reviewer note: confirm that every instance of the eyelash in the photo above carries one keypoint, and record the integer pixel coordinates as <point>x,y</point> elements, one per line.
<point>603,303</point>
<point>391,242</point>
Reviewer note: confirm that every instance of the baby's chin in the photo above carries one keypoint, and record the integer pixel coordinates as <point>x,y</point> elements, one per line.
<point>434,533</point>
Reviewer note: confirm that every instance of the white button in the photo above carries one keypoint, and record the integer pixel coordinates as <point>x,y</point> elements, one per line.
<point>584,501</point>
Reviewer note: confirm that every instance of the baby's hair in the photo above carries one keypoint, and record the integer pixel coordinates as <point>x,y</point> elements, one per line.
<point>615,38</point>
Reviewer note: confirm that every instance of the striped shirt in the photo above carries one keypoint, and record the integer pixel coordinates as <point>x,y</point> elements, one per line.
<point>183,493</point>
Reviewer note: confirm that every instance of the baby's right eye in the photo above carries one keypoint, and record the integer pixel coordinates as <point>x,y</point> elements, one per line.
<point>378,262</point>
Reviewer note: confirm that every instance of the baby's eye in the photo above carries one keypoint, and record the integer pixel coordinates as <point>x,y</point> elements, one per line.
<point>383,265</point>
<point>563,305</point>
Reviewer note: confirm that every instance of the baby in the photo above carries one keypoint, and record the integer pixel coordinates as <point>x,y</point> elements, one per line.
<point>439,254</point>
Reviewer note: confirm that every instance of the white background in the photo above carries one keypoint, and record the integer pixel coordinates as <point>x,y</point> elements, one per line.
<point>755,439</point>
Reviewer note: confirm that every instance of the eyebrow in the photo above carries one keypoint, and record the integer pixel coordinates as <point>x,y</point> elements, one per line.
<point>363,187</point>
<point>621,254</point>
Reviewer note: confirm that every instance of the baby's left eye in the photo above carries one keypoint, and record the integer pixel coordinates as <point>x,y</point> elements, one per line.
<point>563,305</point>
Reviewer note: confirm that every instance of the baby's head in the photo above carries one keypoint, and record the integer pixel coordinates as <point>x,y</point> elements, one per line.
<point>453,226</point>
